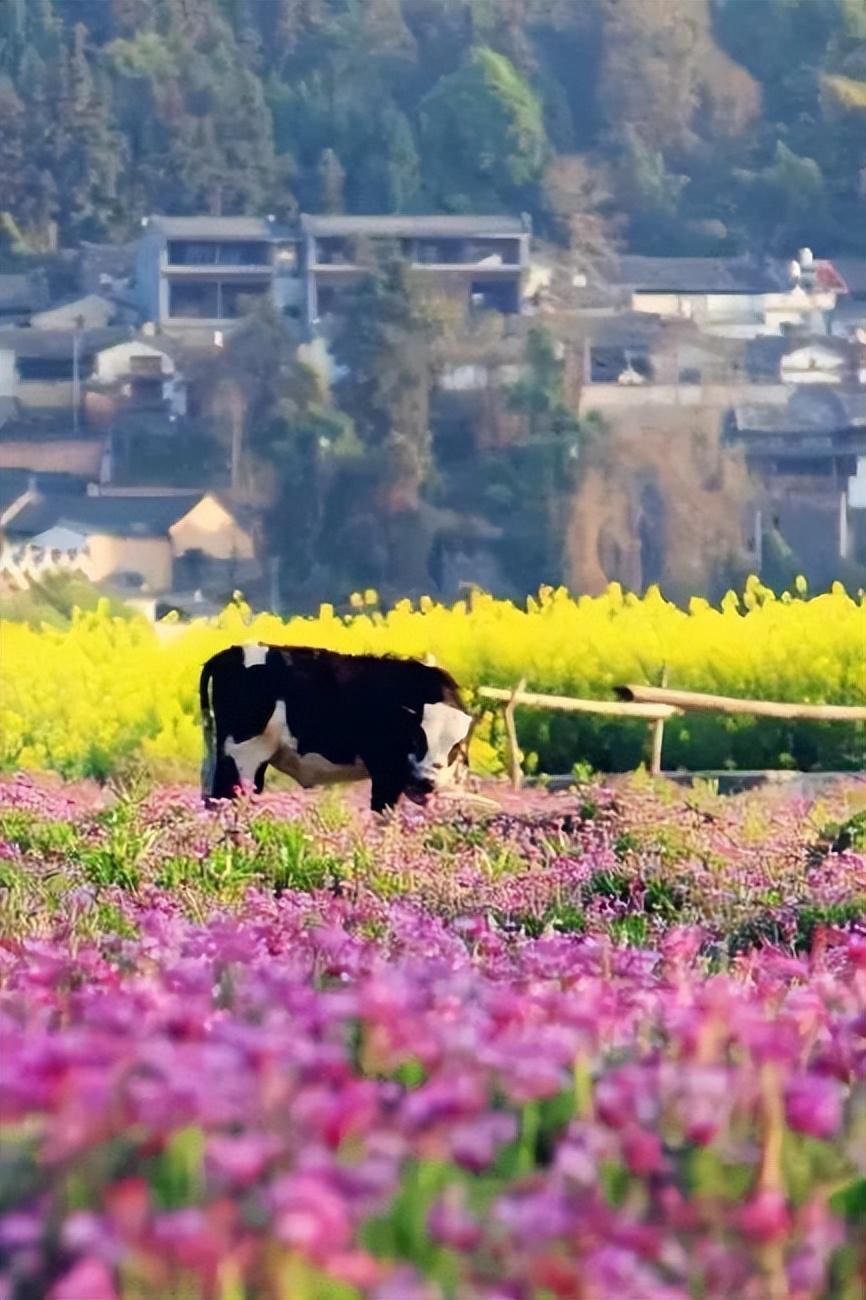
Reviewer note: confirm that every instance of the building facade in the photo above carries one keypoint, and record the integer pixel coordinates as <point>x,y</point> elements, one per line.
<point>201,275</point>
<point>482,260</point>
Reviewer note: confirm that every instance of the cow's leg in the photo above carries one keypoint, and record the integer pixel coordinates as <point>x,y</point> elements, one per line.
<point>259,778</point>
<point>225,778</point>
<point>386,791</point>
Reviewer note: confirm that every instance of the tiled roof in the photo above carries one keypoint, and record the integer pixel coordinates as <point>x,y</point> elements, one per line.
<point>123,516</point>
<point>58,344</point>
<point>698,275</point>
<point>811,410</point>
<point>15,482</point>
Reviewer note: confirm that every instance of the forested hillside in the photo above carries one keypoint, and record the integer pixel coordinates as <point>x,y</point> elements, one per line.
<point>675,125</point>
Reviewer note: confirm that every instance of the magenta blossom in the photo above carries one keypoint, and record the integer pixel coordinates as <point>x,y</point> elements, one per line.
<point>765,1217</point>
<point>813,1105</point>
<point>89,1279</point>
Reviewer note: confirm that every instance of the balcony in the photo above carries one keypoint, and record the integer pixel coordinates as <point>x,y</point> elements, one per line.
<point>232,255</point>
<point>337,255</point>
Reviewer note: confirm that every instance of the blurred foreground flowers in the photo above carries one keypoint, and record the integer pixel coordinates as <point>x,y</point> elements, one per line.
<point>605,1044</point>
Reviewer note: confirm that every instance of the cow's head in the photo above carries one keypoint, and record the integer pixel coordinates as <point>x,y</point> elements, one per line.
<point>438,748</point>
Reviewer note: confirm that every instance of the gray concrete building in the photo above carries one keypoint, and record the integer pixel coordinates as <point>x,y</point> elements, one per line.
<point>200,275</point>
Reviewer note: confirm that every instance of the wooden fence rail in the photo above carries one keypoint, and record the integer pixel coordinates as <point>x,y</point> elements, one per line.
<point>693,700</point>
<point>570,704</point>
<point>654,704</point>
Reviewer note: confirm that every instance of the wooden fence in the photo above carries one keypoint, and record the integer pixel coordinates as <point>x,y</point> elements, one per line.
<point>655,704</point>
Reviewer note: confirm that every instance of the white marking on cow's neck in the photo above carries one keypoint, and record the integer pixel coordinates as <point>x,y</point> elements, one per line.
<point>254,655</point>
<point>444,727</point>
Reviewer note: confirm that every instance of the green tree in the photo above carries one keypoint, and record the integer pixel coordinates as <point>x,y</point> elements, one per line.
<point>402,180</point>
<point>385,344</point>
<point>651,193</point>
<point>553,436</point>
<point>789,196</point>
<point>483,134</point>
<point>332,180</point>
<point>297,443</point>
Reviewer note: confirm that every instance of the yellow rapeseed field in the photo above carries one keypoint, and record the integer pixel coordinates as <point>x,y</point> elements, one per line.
<point>110,691</point>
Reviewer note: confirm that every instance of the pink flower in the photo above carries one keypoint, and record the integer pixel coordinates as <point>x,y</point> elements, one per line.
<point>765,1217</point>
<point>241,1158</point>
<point>311,1214</point>
<point>85,1231</point>
<point>127,1204</point>
<point>89,1279</point>
<point>451,1223</point>
<point>18,1230</point>
<point>813,1105</point>
<point>354,1267</point>
<point>188,1237</point>
<point>642,1151</point>
<point>475,1143</point>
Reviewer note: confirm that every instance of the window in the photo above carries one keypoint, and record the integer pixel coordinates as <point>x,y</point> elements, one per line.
<point>40,369</point>
<point>495,295</point>
<point>215,299</point>
<point>185,252</point>
<point>195,298</point>
<point>212,252</point>
<point>243,254</point>
<point>333,251</point>
<point>145,366</point>
<point>238,299</point>
<point>287,259</point>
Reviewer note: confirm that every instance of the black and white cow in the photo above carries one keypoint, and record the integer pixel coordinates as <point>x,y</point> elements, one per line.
<point>323,717</point>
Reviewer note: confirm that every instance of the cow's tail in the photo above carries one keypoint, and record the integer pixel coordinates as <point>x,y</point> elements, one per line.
<point>208,726</point>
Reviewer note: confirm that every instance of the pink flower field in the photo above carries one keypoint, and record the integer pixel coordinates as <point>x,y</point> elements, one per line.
<point>604,1045</point>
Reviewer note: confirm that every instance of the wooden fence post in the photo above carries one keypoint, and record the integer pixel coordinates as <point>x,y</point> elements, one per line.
<point>658,734</point>
<point>515,771</point>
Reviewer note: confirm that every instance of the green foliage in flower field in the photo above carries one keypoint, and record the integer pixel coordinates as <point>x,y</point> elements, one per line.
<point>106,694</point>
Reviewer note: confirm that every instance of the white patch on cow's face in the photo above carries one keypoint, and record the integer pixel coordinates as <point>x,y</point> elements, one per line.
<point>249,754</point>
<point>254,655</point>
<point>444,727</point>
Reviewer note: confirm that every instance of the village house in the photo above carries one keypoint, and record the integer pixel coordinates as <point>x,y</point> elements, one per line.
<point>149,541</point>
<point>198,276</point>
<point>42,369</point>
<point>51,446</point>
<point>15,482</point>
<point>810,456</point>
<point>134,375</point>
<point>87,312</point>
<point>848,320</point>
<point>484,260</point>
<point>730,297</point>
<point>634,360</point>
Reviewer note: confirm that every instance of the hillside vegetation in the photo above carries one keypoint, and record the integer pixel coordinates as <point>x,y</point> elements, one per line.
<point>685,125</point>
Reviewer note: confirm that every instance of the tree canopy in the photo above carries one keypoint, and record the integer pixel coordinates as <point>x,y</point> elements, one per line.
<point>113,108</point>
